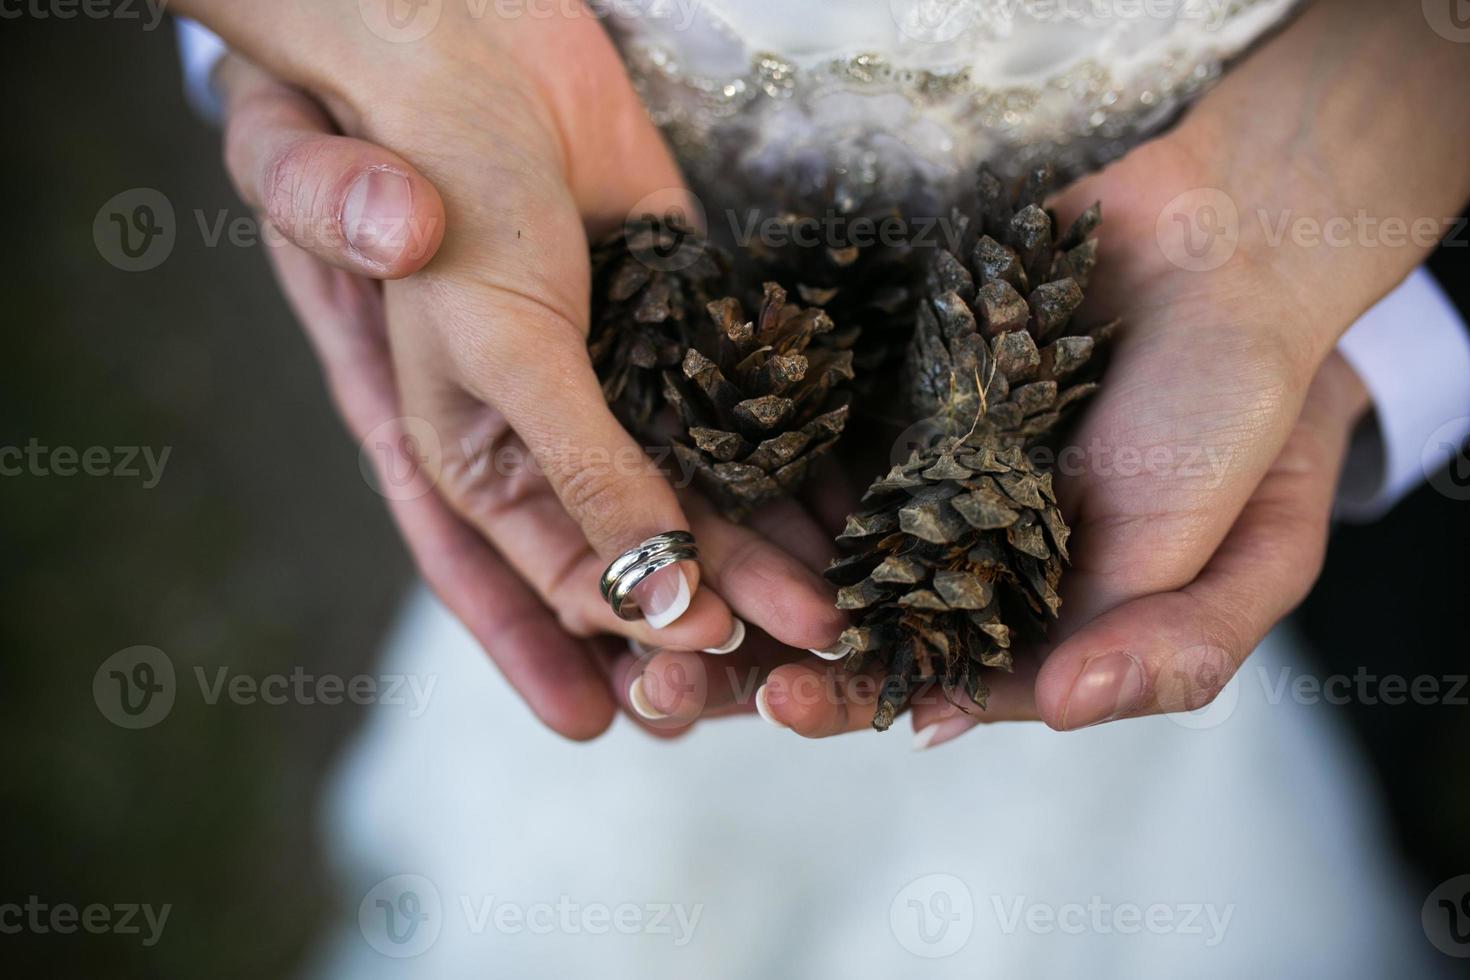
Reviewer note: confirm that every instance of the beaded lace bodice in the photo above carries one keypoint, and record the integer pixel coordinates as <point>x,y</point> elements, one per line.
<point>823,101</point>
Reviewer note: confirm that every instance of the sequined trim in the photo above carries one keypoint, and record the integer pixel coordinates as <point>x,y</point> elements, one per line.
<point>1078,118</point>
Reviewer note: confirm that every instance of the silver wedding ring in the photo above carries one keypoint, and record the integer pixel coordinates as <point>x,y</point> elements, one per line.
<point>637,563</point>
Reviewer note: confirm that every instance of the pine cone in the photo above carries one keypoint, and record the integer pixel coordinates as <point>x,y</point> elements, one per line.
<point>960,545</point>
<point>651,281</point>
<point>868,288</point>
<point>994,337</point>
<point>963,545</point>
<point>759,400</point>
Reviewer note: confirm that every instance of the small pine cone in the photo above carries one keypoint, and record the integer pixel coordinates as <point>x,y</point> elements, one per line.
<point>868,288</point>
<point>759,400</point>
<point>994,338</point>
<point>650,282</point>
<point>960,547</point>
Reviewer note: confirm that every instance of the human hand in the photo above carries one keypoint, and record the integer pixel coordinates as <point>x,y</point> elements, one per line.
<point>285,159</point>
<point>1196,435</point>
<point>1182,568</point>
<point>528,368</point>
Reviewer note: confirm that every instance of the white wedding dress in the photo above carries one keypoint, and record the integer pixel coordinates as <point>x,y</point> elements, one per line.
<point>1240,841</point>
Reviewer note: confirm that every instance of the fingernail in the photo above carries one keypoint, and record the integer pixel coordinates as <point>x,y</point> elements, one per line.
<point>663,596</point>
<point>640,702</point>
<point>836,651</point>
<point>1111,685</point>
<point>737,637</point>
<point>939,732</point>
<point>375,216</point>
<point>763,708</point>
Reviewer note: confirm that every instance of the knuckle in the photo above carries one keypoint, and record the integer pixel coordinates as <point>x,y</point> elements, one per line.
<point>1224,648</point>
<point>595,498</point>
<point>294,183</point>
<point>574,622</point>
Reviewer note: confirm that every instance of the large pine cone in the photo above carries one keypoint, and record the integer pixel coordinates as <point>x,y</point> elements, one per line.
<point>962,547</point>
<point>994,340</point>
<point>759,400</point>
<point>650,282</point>
<point>958,546</point>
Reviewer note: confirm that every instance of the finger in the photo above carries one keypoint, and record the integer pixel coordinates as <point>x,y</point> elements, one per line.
<point>937,720</point>
<point>605,480</point>
<point>352,204</point>
<point>765,583</point>
<point>493,481</point>
<point>1175,651</point>
<point>818,701</point>
<point>552,671</point>
<point>830,496</point>
<point>625,674</point>
<point>674,688</point>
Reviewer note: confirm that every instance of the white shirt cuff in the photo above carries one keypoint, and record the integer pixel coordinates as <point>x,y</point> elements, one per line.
<point>1413,353</point>
<point>200,51</point>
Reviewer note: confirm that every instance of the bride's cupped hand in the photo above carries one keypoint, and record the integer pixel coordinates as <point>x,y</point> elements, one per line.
<point>469,168</point>
<point>1201,484</point>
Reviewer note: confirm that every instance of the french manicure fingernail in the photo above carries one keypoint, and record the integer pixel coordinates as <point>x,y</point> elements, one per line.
<point>640,702</point>
<point>1109,686</point>
<point>763,708</point>
<point>836,651</point>
<point>663,596</point>
<point>376,213</point>
<point>737,637</point>
<point>939,732</point>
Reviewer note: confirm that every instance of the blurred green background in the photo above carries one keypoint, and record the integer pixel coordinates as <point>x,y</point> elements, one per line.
<point>263,549</point>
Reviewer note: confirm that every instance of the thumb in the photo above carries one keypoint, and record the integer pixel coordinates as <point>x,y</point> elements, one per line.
<point>352,204</point>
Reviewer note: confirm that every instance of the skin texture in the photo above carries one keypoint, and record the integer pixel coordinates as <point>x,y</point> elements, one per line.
<point>1180,571</point>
